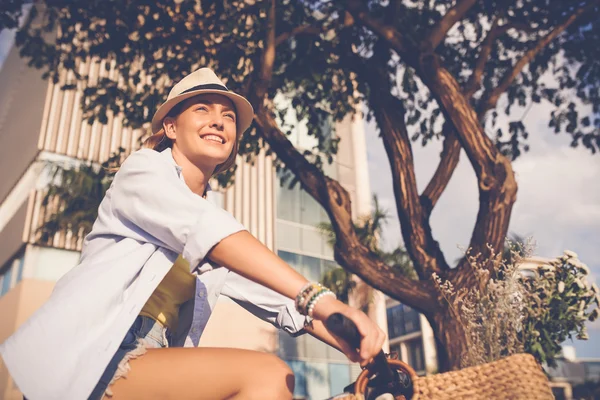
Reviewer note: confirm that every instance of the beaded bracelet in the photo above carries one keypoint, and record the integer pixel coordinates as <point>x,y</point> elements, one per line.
<point>305,294</point>
<point>313,296</point>
<point>315,300</point>
<point>308,297</point>
<point>302,293</point>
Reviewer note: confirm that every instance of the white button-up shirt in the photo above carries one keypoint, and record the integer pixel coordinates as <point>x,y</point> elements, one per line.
<point>148,217</point>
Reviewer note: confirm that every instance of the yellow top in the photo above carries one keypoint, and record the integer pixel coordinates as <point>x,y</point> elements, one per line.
<point>177,287</point>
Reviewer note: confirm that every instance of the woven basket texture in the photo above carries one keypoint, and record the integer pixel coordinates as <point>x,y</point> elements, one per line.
<point>518,377</point>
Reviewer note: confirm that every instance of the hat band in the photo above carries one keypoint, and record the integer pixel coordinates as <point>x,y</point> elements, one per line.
<point>208,86</point>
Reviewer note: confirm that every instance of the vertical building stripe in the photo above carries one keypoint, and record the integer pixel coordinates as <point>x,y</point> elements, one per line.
<point>261,206</point>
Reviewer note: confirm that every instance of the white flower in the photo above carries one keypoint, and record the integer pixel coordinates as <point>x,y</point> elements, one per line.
<point>561,287</point>
<point>570,254</point>
<point>595,288</point>
<point>580,284</point>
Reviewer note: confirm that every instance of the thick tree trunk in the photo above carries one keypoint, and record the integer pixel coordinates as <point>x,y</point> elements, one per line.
<point>449,337</point>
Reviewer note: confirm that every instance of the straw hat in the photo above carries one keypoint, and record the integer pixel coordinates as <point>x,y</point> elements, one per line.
<point>204,81</point>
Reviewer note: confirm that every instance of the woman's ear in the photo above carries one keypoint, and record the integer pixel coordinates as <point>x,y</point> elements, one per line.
<point>169,127</point>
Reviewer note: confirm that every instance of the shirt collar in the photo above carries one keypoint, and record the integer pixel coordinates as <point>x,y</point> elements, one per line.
<point>168,154</point>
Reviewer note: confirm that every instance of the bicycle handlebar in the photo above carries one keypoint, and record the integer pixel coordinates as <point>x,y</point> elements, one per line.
<point>346,329</point>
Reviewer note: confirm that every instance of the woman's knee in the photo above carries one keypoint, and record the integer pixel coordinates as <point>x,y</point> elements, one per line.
<point>276,379</point>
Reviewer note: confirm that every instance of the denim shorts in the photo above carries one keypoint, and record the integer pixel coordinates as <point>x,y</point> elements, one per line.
<point>144,333</point>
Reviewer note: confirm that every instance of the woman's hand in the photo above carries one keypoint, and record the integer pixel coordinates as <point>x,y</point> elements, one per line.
<point>372,337</point>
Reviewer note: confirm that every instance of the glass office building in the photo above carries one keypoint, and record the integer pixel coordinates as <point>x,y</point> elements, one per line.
<point>411,337</point>
<point>320,370</point>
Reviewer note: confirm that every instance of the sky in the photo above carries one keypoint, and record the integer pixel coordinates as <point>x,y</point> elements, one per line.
<point>558,200</point>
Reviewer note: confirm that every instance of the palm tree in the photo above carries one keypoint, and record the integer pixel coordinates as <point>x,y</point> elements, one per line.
<point>73,196</point>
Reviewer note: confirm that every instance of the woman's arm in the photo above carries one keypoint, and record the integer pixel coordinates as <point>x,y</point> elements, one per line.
<point>244,254</point>
<point>317,329</point>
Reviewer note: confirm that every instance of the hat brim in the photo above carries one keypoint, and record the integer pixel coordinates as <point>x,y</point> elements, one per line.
<point>243,109</point>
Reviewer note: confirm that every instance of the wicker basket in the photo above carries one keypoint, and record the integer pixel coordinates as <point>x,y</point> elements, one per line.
<point>518,377</point>
<point>514,377</point>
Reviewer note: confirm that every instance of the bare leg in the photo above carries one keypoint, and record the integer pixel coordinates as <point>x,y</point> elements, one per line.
<point>205,374</point>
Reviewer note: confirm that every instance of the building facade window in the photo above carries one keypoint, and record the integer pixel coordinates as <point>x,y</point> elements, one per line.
<point>11,272</point>
<point>402,320</point>
<point>6,281</point>
<point>295,205</point>
<point>416,356</point>
<point>321,371</point>
<point>411,352</point>
<point>317,380</point>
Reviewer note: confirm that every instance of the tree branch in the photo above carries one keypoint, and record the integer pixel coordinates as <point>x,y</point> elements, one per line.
<point>445,170</point>
<point>441,28</point>
<point>474,81</point>
<point>419,242</point>
<point>394,38</point>
<point>490,100</point>
<point>349,252</point>
<point>414,221</point>
<point>495,31</point>
<point>268,56</point>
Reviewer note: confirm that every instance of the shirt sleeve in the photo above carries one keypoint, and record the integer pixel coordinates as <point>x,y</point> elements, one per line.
<point>264,303</point>
<point>148,195</point>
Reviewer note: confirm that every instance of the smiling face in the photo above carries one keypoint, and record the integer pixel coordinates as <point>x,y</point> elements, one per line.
<point>205,131</point>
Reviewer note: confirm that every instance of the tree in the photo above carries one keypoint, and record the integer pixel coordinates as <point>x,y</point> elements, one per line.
<point>368,228</point>
<point>427,70</point>
<point>73,196</point>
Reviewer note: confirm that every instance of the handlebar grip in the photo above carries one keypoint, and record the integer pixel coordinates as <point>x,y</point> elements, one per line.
<point>386,376</point>
<point>344,328</point>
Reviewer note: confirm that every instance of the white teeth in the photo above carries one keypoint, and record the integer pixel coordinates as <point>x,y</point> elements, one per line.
<point>214,138</point>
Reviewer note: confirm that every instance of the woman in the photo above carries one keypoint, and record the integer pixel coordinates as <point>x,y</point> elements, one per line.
<point>147,278</point>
